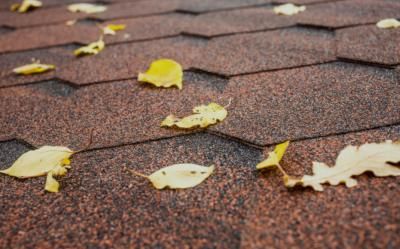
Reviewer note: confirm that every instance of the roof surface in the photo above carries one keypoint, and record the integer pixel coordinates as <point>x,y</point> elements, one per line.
<point>324,79</point>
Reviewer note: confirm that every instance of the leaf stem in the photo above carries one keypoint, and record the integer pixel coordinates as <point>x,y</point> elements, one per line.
<point>90,141</point>
<point>229,103</point>
<point>137,173</point>
<point>282,170</point>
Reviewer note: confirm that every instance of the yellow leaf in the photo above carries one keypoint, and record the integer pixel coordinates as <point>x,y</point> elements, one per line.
<point>33,68</point>
<point>51,184</point>
<point>26,5</point>
<point>50,160</point>
<point>274,157</point>
<point>353,161</point>
<point>86,8</point>
<point>92,48</point>
<point>288,9</point>
<point>39,162</point>
<point>179,176</point>
<point>70,22</point>
<point>388,23</point>
<point>111,28</point>
<point>203,116</point>
<point>163,73</point>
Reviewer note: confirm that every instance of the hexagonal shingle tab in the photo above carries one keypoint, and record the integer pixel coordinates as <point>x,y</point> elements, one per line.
<point>369,44</point>
<point>310,101</point>
<point>346,13</point>
<point>247,53</point>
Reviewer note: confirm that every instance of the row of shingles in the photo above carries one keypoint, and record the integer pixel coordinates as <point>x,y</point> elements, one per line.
<point>60,14</point>
<point>122,112</point>
<point>330,15</point>
<point>255,19</point>
<point>364,216</point>
<point>104,206</point>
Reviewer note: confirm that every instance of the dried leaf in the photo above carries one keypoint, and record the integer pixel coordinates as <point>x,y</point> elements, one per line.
<point>353,161</point>
<point>388,23</point>
<point>51,184</point>
<point>288,9</point>
<point>50,160</point>
<point>163,73</point>
<point>111,28</point>
<point>87,8</point>
<point>204,115</point>
<point>274,157</point>
<point>71,22</point>
<point>178,176</point>
<point>26,5</point>
<point>92,48</point>
<point>33,68</point>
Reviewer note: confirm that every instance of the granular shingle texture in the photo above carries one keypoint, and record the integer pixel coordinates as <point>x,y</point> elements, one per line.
<point>324,79</point>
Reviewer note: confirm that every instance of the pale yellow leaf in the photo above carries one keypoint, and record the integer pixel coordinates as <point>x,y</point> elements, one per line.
<point>388,23</point>
<point>51,184</point>
<point>70,22</point>
<point>163,73</point>
<point>288,9</point>
<point>33,68</point>
<point>92,48</point>
<point>26,5</point>
<point>47,160</point>
<point>178,176</point>
<point>111,29</point>
<point>274,157</point>
<point>39,162</point>
<point>87,8</point>
<point>353,161</point>
<point>204,115</point>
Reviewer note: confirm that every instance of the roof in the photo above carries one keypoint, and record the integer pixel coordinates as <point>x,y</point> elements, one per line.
<point>323,79</point>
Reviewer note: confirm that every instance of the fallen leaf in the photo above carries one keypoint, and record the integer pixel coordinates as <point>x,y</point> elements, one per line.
<point>274,157</point>
<point>163,73</point>
<point>71,22</point>
<point>353,161</point>
<point>26,5</point>
<point>178,176</point>
<point>33,68</point>
<point>204,115</point>
<point>388,23</point>
<point>111,28</point>
<point>47,160</point>
<point>92,48</point>
<point>288,9</point>
<point>87,8</point>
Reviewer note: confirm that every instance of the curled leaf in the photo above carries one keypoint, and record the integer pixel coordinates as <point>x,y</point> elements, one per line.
<point>178,176</point>
<point>47,160</point>
<point>87,8</point>
<point>51,184</point>
<point>26,5</point>
<point>33,68</point>
<point>163,73</point>
<point>388,23</point>
<point>274,157</point>
<point>288,9</point>
<point>353,161</point>
<point>111,28</point>
<point>92,48</point>
<point>204,115</point>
